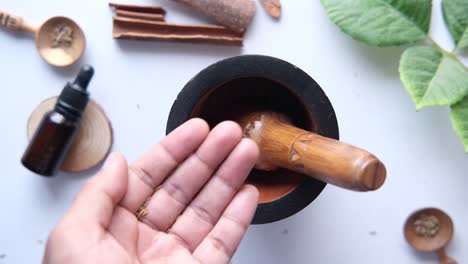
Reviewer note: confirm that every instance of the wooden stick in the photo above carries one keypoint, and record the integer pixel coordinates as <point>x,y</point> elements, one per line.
<point>444,257</point>
<point>140,9</point>
<point>127,28</point>
<point>273,7</point>
<point>140,15</point>
<point>234,14</point>
<point>14,22</point>
<point>283,145</point>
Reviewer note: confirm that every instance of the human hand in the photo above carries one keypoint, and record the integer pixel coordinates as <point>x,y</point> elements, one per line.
<point>198,211</point>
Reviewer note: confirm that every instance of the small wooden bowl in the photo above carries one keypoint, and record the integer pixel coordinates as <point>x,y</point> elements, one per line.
<point>60,57</point>
<point>44,37</point>
<point>429,244</point>
<point>256,83</point>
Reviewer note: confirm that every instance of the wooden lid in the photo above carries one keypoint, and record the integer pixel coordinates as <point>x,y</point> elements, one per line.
<point>92,142</point>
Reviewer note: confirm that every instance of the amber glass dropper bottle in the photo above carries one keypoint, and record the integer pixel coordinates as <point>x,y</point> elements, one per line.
<point>54,135</point>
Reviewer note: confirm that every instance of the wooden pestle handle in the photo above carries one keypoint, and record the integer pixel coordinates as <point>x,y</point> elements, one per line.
<point>329,160</point>
<point>235,15</point>
<point>14,23</point>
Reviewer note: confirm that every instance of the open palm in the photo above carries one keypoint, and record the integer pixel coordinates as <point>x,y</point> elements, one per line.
<point>191,185</point>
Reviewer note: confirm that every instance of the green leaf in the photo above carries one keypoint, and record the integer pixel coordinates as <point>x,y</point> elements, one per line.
<point>463,43</point>
<point>460,120</point>
<point>456,18</point>
<point>381,22</point>
<point>432,78</point>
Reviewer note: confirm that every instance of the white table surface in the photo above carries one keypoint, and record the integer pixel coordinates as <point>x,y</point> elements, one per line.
<point>136,83</point>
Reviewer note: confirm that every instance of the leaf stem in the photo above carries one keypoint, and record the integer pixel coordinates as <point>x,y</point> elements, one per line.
<point>446,52</point>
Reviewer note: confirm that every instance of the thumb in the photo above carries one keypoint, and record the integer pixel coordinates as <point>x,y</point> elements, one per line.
<point>96,201</point>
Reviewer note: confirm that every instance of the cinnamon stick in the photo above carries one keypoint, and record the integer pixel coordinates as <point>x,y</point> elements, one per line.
<point>140,9</point>
<point>128,28</point>
<point>234,14</point>
<point>140,15</point>
<point>273,7</point>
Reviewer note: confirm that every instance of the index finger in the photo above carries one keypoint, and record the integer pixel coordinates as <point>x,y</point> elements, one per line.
<point>149,171</point>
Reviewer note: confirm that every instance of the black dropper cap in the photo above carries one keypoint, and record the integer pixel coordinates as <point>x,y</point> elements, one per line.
<point>74,96</point>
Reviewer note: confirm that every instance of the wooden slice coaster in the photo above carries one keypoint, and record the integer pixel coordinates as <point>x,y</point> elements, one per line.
<point>92,142</point>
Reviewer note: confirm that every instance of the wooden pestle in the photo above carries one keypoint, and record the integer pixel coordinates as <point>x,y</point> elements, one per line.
<point>234,14</point>
<point>328,160</point>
